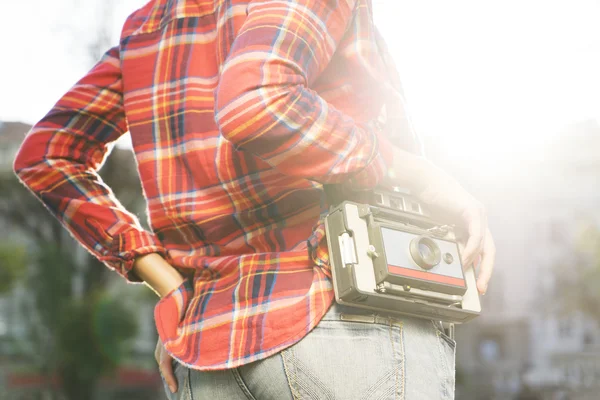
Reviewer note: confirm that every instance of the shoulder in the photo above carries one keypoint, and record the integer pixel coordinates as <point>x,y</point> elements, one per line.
<point>157,13</point>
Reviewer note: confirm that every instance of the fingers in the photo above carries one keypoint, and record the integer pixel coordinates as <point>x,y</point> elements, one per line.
<point>479,248</point>
<point>158,351</point>
<point>165,365</point>
<point>477,227</point>
<point>487,263</point>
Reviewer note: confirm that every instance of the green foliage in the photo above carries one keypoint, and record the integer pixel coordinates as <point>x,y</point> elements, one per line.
<point>113,325</point>
<point>50,282</point>
<point>13,262</point>
<point>79,335</point>
<point>92,336</point>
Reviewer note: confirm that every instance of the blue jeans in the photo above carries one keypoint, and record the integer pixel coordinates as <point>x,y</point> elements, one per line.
<point>351,354</point>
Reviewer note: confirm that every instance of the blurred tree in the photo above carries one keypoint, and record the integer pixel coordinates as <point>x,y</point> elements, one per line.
<point>12,262</point>
<point>93,33</point>
<point>92,336</point>
<point>76,331</point>
<point>102,39</point>
<point>528,393</point>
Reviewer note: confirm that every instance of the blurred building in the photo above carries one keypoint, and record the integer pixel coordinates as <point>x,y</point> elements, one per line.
<point>526,337</point>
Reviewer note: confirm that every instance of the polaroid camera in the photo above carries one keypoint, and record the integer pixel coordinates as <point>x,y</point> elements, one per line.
<point>387,254</point>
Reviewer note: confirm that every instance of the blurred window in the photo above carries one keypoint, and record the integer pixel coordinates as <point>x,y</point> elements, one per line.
<point>489,350</point>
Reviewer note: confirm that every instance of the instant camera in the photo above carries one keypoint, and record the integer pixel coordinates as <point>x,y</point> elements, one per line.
<point>388,254</point>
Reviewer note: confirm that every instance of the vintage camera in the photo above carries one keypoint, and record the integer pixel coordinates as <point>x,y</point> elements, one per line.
<point>388,254</point>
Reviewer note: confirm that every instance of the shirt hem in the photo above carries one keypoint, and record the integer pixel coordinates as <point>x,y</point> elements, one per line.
<point>288,342</point>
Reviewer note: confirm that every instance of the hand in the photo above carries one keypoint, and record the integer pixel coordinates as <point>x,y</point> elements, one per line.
<point>157,273</point>
<point>165,365</point>
<point>439,190</point>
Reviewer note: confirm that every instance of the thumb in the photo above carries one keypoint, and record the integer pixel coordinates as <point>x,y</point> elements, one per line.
<point>166,368</point>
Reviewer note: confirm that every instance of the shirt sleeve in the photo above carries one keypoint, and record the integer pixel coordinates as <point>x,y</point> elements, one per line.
<point>265,105</point>
<point>59,160</point>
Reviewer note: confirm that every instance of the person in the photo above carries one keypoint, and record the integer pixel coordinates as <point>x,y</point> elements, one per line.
<point>239,113</point>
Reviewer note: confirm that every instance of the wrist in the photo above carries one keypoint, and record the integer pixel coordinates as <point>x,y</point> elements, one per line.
<point>166,286</point>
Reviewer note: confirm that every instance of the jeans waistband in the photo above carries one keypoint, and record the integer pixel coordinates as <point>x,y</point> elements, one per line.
<point>338,312</point>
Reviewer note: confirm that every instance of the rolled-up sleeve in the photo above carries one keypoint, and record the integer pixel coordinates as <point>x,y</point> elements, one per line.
<point>265,104</point>
<point>60,158</point>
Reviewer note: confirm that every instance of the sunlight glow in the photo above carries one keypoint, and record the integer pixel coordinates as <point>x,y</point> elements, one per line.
<point>490,81</point>
<point>495,81</point>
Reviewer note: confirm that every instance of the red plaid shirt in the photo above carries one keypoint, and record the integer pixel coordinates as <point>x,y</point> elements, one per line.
<point>238,111</point>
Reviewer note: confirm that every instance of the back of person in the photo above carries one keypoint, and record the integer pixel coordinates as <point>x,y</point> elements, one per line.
<point>239,113</point>
<point>231,138</point>
<point>244,184</point>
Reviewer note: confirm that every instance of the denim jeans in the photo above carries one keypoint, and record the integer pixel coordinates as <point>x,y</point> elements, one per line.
<point>351,354</point>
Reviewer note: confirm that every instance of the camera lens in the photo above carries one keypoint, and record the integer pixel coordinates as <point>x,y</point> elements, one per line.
<point>425,252</point>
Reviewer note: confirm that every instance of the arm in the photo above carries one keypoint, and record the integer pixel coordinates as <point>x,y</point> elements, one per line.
<point>59,160</point>
<point>264,104</point>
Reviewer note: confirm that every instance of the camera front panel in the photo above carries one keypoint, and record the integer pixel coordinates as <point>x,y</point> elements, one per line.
<point>408,259</point>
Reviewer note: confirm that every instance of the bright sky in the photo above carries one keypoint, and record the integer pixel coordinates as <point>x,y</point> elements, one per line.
<point>44,44</point>
<point>507,73</point>
<point>510,73</point>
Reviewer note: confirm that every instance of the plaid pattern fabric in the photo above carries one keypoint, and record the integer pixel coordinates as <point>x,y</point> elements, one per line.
<point>239,112</point>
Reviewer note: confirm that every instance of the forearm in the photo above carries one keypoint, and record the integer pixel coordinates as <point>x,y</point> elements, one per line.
<point>301,135</point>
<point>85,206</point>
<point>59,162</point>
<point>157,273</point>
<point>265,104</point>
<point>411,171</point>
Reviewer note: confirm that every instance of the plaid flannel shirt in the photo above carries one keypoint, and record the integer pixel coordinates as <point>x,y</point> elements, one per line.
<point>239,111</point>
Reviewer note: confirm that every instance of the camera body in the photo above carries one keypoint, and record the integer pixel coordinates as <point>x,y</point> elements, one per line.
<point>388,254</point>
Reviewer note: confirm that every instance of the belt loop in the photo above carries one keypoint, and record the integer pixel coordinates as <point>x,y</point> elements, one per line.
<point>450,331</point>
<point>368,319</point>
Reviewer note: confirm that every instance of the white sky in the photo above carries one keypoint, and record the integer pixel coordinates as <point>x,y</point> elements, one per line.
<point>509,73</point>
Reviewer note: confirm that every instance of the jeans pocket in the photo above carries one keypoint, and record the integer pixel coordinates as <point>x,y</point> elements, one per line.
<point>451,343</point>
<point>347,360</point>
<point>447,349</point>
<point>183,383</point>
<point>166,387</point>
<point>170,311</point>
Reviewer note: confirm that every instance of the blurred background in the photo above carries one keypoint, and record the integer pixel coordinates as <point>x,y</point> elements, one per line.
<point>506,96</point>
